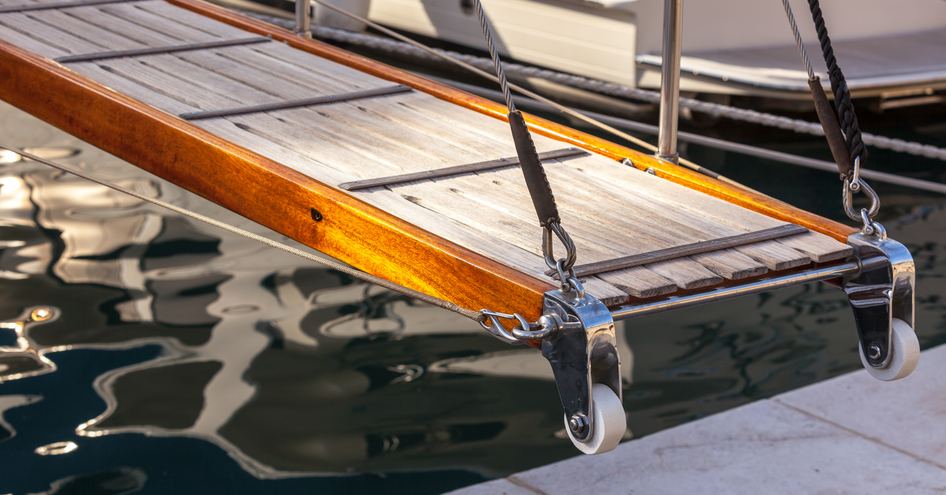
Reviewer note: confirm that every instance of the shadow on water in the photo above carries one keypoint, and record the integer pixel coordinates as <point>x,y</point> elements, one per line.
<point>177,357</point>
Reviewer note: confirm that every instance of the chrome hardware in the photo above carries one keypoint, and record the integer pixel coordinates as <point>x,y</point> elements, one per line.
<point>854,184</point>
<point>304,18</point>
<point>492,322</point>
<point>581,352</point>
<point>881,292</point>
<point>670,81</point>
<point>576,335</point>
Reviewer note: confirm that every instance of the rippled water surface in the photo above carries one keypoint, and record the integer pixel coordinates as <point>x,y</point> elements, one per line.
<point>141,351</point>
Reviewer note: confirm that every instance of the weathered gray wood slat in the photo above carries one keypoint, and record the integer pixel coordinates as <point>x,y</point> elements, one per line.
<point>135,36</point>
<point>715,217</point>
<point>510,200</point>
<point>185,17</point>
<point>60,41</point>
<point>693,249</point>
<point>469,168</point>
<point>820,248</point>
<point>42,6</point>
<point>643,232</point>
<point>17,36</point>
<point>298,103</point>
<point>155,50</point>
<point>139,88</point>
<point>73,21</point>
<point>140,15</point>
<point>260,65</point>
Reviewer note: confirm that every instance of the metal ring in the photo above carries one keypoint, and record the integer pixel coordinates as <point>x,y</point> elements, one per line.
<point>847,198</point>
<point>856,175</point>
<point>548,246</point>
<point>546,325</point>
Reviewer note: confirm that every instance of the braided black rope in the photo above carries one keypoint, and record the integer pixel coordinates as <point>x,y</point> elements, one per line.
<point>842,95</point>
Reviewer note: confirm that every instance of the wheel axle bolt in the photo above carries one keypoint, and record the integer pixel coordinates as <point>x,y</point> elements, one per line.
<point>41,314</point>
<point>874,351</point>
<point>578,423</point>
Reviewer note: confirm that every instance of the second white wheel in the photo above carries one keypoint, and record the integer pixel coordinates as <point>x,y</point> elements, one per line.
<point>904,354</point>
<point>609,422</point>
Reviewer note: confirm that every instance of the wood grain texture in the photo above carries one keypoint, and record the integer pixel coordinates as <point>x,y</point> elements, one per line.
<point>237,179</point>
<point>734,194</point>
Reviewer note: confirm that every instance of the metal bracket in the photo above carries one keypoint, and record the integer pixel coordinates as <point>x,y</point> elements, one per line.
<point>581,355</point>
<point>880,292</point>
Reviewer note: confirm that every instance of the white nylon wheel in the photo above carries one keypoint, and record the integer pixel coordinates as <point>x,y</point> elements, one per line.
<point>905,354</point>
<point>609,422</point>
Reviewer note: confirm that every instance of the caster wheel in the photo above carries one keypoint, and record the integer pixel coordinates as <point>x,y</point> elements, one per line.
<point>905,349</point>
<point>609,422</point>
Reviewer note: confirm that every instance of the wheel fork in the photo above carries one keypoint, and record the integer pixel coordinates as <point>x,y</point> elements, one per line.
<point>880,292</point>
<point>581,355</point>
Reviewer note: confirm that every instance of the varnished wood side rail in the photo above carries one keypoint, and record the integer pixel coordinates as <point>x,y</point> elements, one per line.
<point>262,190</point>
<point>733,194</point>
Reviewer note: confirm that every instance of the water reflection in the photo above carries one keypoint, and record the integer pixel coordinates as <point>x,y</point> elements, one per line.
<point>191,337</point>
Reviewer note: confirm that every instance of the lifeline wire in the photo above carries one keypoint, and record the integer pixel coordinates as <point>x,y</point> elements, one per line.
<point>798,41</point>
<point>330,263</point>
<point>493,54</point>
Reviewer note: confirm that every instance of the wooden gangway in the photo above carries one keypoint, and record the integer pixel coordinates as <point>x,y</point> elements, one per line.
<point>396,175</point>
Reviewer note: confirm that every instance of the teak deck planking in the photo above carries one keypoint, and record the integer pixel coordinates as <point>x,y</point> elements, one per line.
<point>471,239</point>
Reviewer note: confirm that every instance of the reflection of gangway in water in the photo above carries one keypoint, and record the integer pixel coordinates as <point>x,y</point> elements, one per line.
<point>105,223</point>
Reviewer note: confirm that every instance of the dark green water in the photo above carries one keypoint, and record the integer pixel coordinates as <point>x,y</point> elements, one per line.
<point>183,359</point>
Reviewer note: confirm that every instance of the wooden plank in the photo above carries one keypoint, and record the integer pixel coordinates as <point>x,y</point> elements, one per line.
<point>159,98</point>
<point>185,17</point>
<point>297,103</point>
<point>503,195</point>
<point>734,194</point>
<point>73,23</point>
<point>819,248</point>
<point>640,282</point>
<point>645,232</point>
<point>236,178</point>
<point>140,15</point>
<point>60,41</point>
<point>710,215</point>
<point>692,249</point>
<point>36,6</point>
<point>17,36</point>
<point>140,52</point>
<point>469,168</point>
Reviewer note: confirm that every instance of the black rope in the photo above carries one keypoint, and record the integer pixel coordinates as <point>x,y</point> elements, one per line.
<point>842,95</point>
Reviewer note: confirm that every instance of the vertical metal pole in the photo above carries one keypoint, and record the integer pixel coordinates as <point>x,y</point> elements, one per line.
<point>670,80</point>
<point>304,18</point>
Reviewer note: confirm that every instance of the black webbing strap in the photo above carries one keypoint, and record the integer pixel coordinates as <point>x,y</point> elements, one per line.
<point>538,183</point>
<point>842,95</point>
